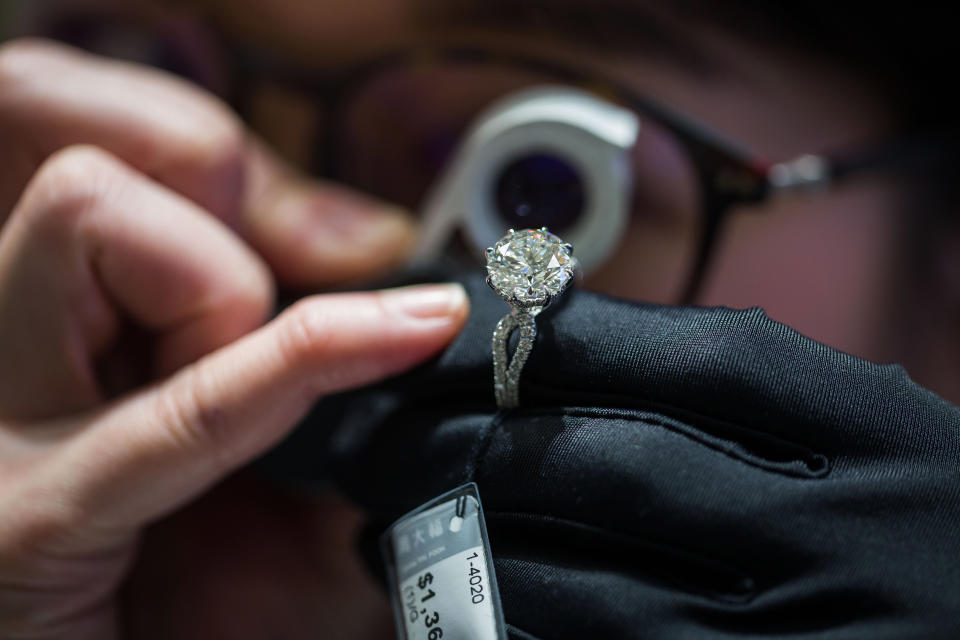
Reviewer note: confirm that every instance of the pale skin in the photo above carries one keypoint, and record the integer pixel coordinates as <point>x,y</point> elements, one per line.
<point>133,198</point>
<point>92,241</point>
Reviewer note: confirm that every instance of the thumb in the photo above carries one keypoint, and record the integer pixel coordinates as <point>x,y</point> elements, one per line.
<point>317,234</point>
<point>152,452</point>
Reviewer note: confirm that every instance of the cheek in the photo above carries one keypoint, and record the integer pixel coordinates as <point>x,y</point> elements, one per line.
<point>819,263</point>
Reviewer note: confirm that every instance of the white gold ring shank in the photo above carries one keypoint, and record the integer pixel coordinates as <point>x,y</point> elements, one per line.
<point>529,269</point>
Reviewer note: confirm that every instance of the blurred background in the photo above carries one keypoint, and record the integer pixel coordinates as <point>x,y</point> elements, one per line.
<point>386,97</point>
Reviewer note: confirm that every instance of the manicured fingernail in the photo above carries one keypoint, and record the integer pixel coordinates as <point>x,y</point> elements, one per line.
<point>332,219</point>
<point>428,301</point>
<point>373,227</point>
<point>339,216</point>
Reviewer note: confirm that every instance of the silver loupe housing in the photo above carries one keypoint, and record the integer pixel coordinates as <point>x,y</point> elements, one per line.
<point>592,135</point>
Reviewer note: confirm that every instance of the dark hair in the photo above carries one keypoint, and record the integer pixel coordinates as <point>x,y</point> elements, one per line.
<point>907,55</point>
<point>908,52</point>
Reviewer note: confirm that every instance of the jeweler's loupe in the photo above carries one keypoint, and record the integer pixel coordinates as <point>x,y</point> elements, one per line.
<point>548,156</point>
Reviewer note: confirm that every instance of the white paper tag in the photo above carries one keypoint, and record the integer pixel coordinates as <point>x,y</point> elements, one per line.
<point>441,574</point>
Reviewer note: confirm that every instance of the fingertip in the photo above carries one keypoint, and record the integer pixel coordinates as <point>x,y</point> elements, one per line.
<point>317,235</point>
<point>349,339</point>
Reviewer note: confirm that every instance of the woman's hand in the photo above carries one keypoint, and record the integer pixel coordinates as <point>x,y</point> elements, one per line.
<point>134,370</point>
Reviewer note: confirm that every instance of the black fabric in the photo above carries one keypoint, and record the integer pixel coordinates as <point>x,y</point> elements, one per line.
<point>672,473</point>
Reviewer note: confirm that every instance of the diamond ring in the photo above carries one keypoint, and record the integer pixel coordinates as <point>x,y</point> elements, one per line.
<point>529,269</point>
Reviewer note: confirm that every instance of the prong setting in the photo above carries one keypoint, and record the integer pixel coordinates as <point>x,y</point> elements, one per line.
<point>530,267</point>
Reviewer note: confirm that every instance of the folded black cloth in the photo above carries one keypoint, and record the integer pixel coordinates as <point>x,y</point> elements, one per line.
<point>671,473</point>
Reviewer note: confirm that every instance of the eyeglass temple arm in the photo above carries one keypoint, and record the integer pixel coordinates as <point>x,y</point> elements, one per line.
<point>810,173</point>
<point>817,171</point>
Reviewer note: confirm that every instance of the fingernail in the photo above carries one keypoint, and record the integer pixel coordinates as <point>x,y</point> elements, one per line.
<point>341,216</point>
<point>427,301</point>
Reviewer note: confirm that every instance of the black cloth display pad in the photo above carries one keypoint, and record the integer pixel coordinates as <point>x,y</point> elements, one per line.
<point>671,473</point>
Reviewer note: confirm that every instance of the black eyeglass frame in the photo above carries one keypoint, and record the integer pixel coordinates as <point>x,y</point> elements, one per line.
<point>728,174</point>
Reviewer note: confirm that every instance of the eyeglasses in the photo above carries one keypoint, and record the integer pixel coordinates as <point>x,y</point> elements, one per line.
<point>390,125</point>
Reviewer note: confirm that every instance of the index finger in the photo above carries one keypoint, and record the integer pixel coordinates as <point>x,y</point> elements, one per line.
<point>146,456</point>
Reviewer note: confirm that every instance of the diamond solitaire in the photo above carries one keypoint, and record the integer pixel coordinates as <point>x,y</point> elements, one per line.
<point>528,269</point>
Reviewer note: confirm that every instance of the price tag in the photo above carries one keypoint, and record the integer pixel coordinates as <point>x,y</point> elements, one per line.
<point>441,571</point>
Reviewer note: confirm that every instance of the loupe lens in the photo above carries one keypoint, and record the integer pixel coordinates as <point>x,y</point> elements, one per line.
<point>540,190</point>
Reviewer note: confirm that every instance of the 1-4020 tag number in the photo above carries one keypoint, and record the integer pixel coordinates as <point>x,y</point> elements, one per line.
<point>475,578</point>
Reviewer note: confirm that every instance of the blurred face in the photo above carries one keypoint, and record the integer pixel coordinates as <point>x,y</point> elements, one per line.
<point>826,264</point>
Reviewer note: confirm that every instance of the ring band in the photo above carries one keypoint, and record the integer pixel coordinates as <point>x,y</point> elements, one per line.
<point>529,269</point>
